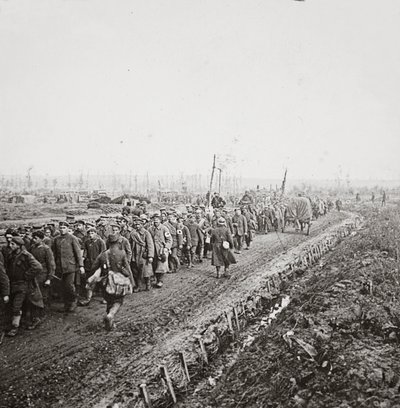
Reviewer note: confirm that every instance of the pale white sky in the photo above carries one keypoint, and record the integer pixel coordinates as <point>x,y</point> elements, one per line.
<point>120,86</point>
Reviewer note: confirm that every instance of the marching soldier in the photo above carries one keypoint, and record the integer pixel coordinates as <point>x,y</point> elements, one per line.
<point>93,247</point>
<point>176,235</point>
<point>69,264</point>
<point>45,256</point>
<point>22,268</point>
<point>239,224</point>
<point>142,255</point>
<point>162,244</point>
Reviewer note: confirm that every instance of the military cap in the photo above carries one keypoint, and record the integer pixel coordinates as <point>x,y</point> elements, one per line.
<point>80,222</point>
<point>18,240</point>
<point>38,227</point>
<point>70,218</point>
<point>39,234</point>
<point>126,219</point>
<point>156,215</point>
<point>115,224</point>
<point>221,221</point>
<point>91,229</point>
<point>90,224</point>
<point>9,231</point>
<point>65,223</point>
<point>144,217</point>
<point>202,206</point>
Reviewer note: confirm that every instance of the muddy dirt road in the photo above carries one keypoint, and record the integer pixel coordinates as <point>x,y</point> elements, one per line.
<point>70,361</point>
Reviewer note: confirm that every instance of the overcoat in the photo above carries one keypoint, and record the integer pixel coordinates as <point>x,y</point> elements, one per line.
<point>221,256</point>
<point>67,254</point>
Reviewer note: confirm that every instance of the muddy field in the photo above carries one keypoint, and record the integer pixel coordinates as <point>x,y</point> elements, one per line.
<point>335,345</point>
<point>71,361</point>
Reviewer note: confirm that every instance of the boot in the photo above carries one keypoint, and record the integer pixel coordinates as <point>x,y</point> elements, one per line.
<point>147,282</point>
<point>85,302</point>
<point>109,319</point>
<point>70,307</point>
<point>35,322</point>
<point>226,273</point>
<point>218,273</point>
<point>14,326</point>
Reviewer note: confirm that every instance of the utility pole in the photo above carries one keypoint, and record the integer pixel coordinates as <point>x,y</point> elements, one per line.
<point>284,183</point>
<point>211,182</point>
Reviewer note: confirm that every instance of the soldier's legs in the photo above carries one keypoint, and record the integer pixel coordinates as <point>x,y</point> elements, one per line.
<point>69,291</point>
<point>206,249</point>
<point>173,260</point>
<point>17,300</point>
<point>114,303</point>
<point>200,251</point>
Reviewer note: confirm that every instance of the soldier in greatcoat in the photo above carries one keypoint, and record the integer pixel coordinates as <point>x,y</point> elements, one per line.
<point>196,235</point>
<point>142,255</point>
<point>239,224</point>
<point>176,234</point>
<point>221,245</point>
<point>69,264</point>
<point>45,256</point>
<point>4,288</point>
<point>22,268</point>
<point>92,248</point>
<point>162,245</point>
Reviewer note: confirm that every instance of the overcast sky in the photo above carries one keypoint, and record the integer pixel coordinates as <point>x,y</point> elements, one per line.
<point>159,86</point>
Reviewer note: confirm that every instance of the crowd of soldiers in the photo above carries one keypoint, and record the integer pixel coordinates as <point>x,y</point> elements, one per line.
<point>59,262</point>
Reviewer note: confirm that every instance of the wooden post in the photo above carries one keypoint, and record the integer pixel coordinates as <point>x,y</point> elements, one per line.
<point>268,285</point>
<point>229,320</point>
<point>235,312</point>
<point>145,395</point>
<point>211,181</point>
<point>203,350</point>
<point>184,365</point>
<point>167,378</point>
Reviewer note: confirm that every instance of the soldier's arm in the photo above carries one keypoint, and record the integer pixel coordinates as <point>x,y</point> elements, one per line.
<point>168,238</point>
<point>179,236</point>
<point>188,237</point>
<point>150,245</point>
<point>77,251</point>
<point>128,250</point>
<point>245,226</point>
<point>50,263</point>
<point>34,266</point>
<point>102,245</point>
<point>4,281</point>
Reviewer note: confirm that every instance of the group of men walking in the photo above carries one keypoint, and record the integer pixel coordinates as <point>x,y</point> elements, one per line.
<point>37,265</point>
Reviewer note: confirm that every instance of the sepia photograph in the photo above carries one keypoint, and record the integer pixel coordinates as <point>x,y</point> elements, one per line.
<point>199,204</point>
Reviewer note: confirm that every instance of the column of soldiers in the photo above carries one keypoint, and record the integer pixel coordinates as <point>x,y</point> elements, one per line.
<point>41,264</point>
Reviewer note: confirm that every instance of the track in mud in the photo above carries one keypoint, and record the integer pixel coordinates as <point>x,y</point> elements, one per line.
<point>70,361</point>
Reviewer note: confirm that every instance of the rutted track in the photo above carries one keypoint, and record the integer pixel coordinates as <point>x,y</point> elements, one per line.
<point>71,361</point>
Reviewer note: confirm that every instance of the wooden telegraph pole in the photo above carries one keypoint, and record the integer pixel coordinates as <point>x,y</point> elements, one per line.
<point>211,182</point>
<point>284,183</point>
